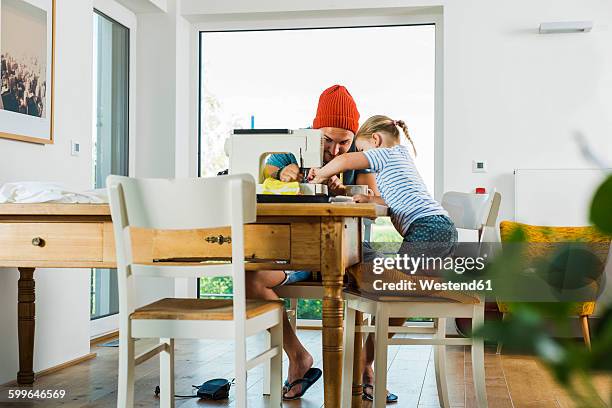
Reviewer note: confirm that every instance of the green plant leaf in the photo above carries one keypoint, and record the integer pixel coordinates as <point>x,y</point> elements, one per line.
<point>601,207</point>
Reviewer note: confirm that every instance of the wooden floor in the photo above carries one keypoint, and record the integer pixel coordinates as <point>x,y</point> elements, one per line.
<point>512,381</point>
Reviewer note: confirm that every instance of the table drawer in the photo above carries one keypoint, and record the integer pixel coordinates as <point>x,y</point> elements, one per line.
<point>51,241</point>
<point>262,242</point>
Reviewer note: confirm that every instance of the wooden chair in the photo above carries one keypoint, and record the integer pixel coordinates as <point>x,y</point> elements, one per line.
<point>540,234</point>
<point>477,213</point>
<point>184,204</point>
<point>382,308</point>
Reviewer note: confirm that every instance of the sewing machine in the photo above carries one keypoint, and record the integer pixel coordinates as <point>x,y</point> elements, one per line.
<point>248,148</point>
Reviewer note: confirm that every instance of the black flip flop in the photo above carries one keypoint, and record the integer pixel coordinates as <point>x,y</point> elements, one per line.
<point>391,398</point>
<point>311,377</point>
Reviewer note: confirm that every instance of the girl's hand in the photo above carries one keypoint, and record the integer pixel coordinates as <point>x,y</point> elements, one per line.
<point>361,198</point>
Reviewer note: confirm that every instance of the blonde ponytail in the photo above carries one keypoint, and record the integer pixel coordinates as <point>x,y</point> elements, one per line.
<point>404,128</point>
<point>386,125</point>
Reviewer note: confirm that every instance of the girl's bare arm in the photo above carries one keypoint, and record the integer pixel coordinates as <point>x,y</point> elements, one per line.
<point>346,161</point>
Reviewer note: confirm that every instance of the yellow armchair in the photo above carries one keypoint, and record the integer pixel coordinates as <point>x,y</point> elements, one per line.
<point>541,234</point>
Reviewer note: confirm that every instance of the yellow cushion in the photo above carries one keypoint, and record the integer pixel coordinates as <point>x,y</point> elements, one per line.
<point>552,235</point>
<point>273,186</point>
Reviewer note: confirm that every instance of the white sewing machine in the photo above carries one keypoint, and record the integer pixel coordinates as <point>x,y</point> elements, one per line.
<point>248,148</point>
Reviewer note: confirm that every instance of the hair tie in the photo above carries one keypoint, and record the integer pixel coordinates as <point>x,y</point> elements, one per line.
<point>394,122</point>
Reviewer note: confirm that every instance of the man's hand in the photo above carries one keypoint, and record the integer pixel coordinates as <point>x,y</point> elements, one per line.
<point>290,172</point>
<point>362,198</point>
<point>335,186</point>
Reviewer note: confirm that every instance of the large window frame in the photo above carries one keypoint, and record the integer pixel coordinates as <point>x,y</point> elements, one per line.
<point>189,141</point>
<point>313,20</point>
<point>115,11</point>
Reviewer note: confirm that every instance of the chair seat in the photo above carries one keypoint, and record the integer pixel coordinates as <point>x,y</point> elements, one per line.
<point>201,309</point>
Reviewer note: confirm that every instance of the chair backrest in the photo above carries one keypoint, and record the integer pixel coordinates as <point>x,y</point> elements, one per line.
<point>180,204</point>
<point>476,212</point>
<point>188,203</point>
<point>471,211</point>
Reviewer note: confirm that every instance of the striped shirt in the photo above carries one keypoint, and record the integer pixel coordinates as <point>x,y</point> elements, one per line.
<point>401,186</point>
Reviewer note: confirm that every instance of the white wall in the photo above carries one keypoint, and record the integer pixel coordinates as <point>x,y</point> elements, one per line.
<point>62,296</point>
<point>514,97</point>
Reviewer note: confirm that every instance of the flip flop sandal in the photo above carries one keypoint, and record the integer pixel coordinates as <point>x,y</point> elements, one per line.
<point>311,377</point>
<point>391,398</point>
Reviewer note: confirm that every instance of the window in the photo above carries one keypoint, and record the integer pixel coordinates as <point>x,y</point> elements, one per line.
<point>273,79</point>
<point>110,134</point>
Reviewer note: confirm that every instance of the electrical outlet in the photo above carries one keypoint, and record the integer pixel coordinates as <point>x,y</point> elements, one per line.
<point>75,148</point>
<point>479,166</point>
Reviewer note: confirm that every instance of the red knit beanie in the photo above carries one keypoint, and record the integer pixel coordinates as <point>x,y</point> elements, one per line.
<point>337,109</point>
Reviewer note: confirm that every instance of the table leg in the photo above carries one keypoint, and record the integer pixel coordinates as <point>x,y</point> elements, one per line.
<point>357,363</point>
<point>25,325</point>
<point>332,271</point>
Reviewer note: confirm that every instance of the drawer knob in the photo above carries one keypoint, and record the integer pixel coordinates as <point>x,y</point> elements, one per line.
<point>218,239</point>
<point>38,241</point>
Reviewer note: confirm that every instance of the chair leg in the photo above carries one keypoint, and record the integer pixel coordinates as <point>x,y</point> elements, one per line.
<point>440,364</point>
<point>499,343</point>
<point>380,356</point>
<point>478,368</point>
<point>293,307</point>
<point>349,344</point>
<point>267,366</point>
<point>586,334</point>
<point>125,386</point>
<point>240,368</point>
<point>276,365</point>
<point>166,375</point>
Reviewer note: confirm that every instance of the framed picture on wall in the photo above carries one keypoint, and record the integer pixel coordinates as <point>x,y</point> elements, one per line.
<point>26,70</point>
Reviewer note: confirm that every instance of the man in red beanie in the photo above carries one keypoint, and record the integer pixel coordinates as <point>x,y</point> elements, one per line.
<point>338,118</point>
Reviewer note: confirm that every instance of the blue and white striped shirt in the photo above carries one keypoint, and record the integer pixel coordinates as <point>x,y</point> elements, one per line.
<point>401,186</point>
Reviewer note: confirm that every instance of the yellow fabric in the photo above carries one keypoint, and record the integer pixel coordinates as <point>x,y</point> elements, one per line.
<point>554,235</point>
<point>274,186</point>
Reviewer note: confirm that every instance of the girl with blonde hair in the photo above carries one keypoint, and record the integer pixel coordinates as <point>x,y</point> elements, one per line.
<point>420,219</point>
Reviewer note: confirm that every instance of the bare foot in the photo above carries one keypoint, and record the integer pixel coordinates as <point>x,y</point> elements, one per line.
<point>297,369</point>
<point>368,375</point>
<point>368,378</point>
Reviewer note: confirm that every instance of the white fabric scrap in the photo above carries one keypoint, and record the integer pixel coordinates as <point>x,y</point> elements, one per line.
<point>28,192</point>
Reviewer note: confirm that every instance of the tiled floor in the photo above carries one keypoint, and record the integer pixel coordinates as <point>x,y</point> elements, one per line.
<point>512,381</point>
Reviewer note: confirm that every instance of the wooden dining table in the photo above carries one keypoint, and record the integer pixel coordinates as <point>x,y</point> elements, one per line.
<point>323,238</point>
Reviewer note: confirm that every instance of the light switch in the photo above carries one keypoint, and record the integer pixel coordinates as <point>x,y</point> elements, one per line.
<point>75,148</point>
<point>479,166</point>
